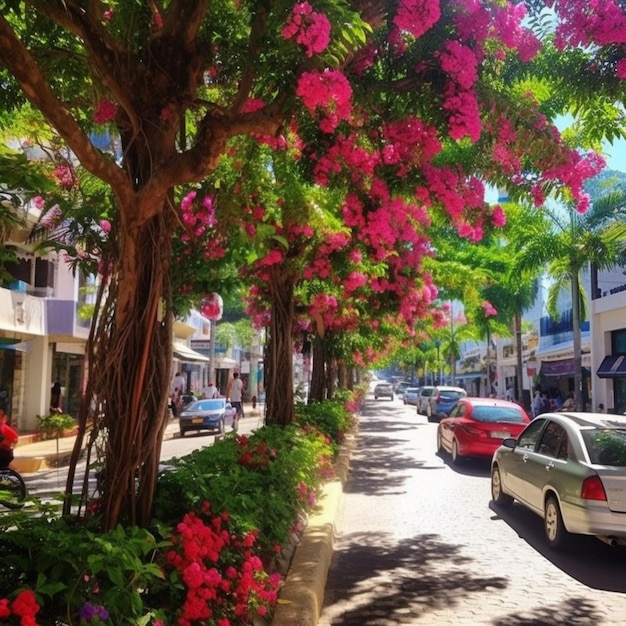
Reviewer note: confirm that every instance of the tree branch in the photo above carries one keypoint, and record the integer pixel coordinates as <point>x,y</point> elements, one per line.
<point>104,52</point>
<point>21,64</point>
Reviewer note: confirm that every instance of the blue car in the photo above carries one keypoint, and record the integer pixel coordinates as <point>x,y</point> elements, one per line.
<point>214,415</point>
<point>441,402</point>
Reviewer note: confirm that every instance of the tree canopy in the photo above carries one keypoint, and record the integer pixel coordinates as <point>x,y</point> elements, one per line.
<point>317,142</point>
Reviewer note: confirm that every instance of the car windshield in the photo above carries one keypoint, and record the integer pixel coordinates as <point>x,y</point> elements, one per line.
<point>207,405</point>
<point>606,446</point>
<point>446,394</point>
<point>497,414</point>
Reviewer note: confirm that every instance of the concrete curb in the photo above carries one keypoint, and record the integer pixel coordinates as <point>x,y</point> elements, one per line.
<point>302,597</point>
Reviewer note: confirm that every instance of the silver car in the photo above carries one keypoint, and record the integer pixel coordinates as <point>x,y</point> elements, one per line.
<point>570,469</point>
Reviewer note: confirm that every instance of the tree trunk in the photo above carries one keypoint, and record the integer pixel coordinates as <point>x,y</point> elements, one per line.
<point>317,393</point>
<point>128,376</point>
<point>279,402</point>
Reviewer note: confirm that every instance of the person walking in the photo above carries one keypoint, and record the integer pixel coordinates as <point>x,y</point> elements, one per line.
<point>569,404</point>
<point>56,399</point>
<point>234,394</point>
<point>210,392</point>
<point>8,439</point>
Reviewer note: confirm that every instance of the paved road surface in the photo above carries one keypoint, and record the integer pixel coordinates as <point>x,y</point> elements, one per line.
<point>421,544</point>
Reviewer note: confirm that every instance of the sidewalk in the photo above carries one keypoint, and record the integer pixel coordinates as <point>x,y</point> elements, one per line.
<point>44,455</point>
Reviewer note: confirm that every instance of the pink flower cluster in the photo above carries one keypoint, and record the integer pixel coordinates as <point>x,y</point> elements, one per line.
<point>197,218</point>
<point>586,22</point>
<point>105,111</point>
<point>24,606</point>
<point>327,95</point>
<point>308,28</point>
<point>417,16</point>
<point>65,176</point>
<point>409,141</point>
<point>51,218</point>
<point>488,309</point>
<point>225,581</point>
<point>460,63</point>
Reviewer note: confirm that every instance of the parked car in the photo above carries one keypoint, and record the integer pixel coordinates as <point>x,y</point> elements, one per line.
<point>570,469</point>
<point>383,390</point>
<point>410,395</point>
<point>423,397</point>
<point>477,426</point>
<point>213,415</point>
<point>401,387</point>
<point>442,400</point>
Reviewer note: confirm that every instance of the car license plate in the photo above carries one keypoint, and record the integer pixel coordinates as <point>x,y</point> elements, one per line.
<point>197,420</point>
<point>500,434</point>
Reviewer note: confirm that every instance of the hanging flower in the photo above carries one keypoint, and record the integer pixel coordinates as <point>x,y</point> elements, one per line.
<point>105,111</point>
<point>308,28</point>
<point>212,306</point>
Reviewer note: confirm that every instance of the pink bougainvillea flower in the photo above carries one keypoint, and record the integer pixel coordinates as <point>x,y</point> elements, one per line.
<point>326,94</point>
<point>489,309</point>
<point>498,216</point>
<point>308,28</point>
<point>417,16</point>
<point>620,69</point>
<point>39,202</point>
<point>65,176</point>
<point>105,225</point>
<point>105,111</point>
<point>51,217</point>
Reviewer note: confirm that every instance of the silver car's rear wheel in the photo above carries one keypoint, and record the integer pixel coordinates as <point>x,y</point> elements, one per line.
<point>497,495</point>
<point>556,534</point>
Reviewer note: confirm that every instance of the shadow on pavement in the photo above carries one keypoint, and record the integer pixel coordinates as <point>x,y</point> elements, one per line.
<point>399,582</point>
<point>587,559</point>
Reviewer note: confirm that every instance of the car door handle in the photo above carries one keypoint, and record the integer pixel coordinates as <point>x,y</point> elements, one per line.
<point>550,466</point>
<point>525,458</point>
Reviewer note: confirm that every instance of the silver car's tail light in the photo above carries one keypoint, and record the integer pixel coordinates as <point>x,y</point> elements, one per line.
<point>593,489</point>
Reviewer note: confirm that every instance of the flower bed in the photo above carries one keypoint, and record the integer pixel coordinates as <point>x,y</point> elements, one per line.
<point>225,519</point>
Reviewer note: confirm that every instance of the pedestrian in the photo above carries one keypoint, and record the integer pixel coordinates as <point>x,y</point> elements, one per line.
<point>179,383</point>
<point>234,394</point>
<point>56,399</point>
<point>8,439</point>
<point>537,403</point>
<point>568,404</point>
<point>210,392</point>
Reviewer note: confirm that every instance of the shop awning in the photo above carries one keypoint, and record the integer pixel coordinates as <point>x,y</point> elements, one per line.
<point>225,363</point>
<point>564,367</point>
<point>613,367</point>
<point>185,353</point>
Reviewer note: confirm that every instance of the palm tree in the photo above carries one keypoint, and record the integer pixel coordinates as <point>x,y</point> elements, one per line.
<point>570,245</point>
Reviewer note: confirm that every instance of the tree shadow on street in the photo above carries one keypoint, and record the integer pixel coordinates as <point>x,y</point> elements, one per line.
<point>587,559</point>
<point>397,582</point>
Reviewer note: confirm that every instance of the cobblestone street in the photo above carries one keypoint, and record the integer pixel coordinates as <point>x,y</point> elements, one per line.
<point>419,542</point>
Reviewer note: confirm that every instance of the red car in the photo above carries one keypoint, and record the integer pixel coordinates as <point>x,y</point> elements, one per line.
<point>477,426</point>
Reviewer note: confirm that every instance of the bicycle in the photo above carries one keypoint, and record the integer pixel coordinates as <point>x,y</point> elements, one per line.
<point>12,489</point>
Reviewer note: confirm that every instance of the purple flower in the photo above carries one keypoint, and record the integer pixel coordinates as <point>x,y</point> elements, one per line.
<point>89,611</point>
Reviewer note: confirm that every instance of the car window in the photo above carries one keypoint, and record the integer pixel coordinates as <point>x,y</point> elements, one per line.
<point>529,436</point>
<point>427,392</point>
<point>458,410</point>
<point>606,446</point>
<point>208,405</point>
<point>551,440</point>
<point>497,414</point>
<point>447,394</point>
